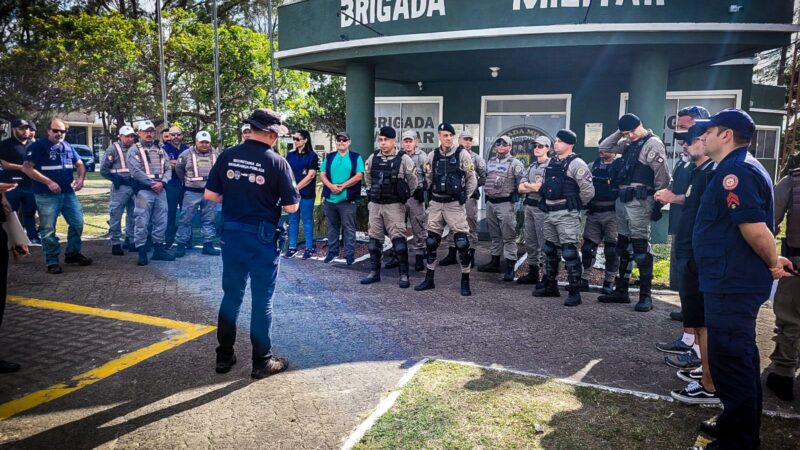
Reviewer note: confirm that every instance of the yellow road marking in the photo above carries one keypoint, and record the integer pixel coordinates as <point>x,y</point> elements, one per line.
<point>189,331</point>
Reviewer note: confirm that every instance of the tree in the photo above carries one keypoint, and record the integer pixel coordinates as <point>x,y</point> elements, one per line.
<point>328,113</point>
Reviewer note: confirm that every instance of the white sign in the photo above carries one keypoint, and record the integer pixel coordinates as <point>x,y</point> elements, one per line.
<point>530,4</point>
<point>592,134</point>
<point>371,11</point>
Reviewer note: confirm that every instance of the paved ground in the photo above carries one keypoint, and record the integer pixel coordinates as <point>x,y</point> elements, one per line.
<point>347,344</point>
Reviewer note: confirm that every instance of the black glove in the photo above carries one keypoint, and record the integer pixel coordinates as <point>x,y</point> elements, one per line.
<point>655,214</point>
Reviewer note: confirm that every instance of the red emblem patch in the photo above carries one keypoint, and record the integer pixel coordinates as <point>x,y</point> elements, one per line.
<point>730,182</point>
<point>733,200</point>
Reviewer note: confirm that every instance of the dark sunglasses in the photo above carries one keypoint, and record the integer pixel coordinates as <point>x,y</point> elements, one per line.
<point>342,140</point>
<point>55,130</point>
<point>540,146</point>
<point>467,139</point>
<point>295,138</point>
<point>501,144</point>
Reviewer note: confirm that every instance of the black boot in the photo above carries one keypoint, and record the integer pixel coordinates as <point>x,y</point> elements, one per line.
<point>162,254</point>
<point>375,249</point>
<point>142,261</point>
<point>620,294</point>
<point>608,287</point>
<point>116,250</point>
<point>180,252</point>
<point>465,290</point>
<point>585,285</point>
<point>419,264</point>
<point>574,297</point>
<point>427,283</point>
<point>548,288</point>
<point>492,266</point>
<point>450,259</point>
<point>391,262</point>
<point>472,258</point>
<point>782,387</point>
<point>645,284</point>
<point>509,275</point>
<point>532,277</point>
<point>572,262</point>
<point>401,254</point>
<point>208,249</point>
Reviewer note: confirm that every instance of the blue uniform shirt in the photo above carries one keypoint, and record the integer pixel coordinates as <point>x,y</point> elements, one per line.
<point>739,191</point>
<point>55,161</point>
<point>254,182</point>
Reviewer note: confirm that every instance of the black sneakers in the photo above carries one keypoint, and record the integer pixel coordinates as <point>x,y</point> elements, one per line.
<point>224,365</point>
<point>77,258</point>
<point>54,269</point>
<point>269,367</point>
<point>782,387</point>
<point>695,394</point>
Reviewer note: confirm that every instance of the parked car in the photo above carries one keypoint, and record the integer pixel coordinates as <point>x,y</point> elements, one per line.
<point>86,155</point>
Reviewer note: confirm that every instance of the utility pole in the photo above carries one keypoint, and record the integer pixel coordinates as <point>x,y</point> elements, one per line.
<point>161,63</point>
<point>271,31</point>
<point>216,76</point>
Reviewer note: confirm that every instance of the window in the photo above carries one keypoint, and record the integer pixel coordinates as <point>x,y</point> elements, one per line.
<point>76,135</point>
<point>420,114</point>
<point>765,142</point>
<point>523,118</point>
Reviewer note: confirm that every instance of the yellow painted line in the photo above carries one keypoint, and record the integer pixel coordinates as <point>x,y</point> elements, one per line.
<point>189,331</point>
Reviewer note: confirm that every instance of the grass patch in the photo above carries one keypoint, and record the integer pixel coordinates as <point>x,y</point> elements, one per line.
<point>450,406</point>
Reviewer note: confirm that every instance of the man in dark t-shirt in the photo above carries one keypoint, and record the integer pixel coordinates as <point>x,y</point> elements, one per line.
<point>12,154</point>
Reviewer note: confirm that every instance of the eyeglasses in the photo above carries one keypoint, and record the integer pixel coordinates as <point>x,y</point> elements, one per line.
<point>501,144</point>
<point>341,140</point>
<point>295,138</point>
<point>540,146</point>
<point>467,139</point>
<point>55,130</point>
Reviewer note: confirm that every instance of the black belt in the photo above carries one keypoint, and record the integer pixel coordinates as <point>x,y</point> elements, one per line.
<point>443,199</point>
<point>601,208</point>
<point>559,207</point>
<point>499,199</point>
<point>386,202</point>
<point>197,190</point>
<point>531,202</point>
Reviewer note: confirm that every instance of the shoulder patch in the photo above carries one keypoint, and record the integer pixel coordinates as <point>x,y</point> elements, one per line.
<point>428,167</point>
<point>469,167</point>
<point>730,182</point>
<point>651,156</point>
<point>732,200</point>
<point>581,172</point>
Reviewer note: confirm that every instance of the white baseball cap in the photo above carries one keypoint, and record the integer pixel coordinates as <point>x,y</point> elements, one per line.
<point>126,131</point>
<point>203,136</point>
<point>246,126</point>
<point>146,125</point>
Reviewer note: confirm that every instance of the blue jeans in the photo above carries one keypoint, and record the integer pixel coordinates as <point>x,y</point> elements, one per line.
<point>50,207</point>
<point>21,197</point>
<point>174,200</point>
<point>341,218</point>
<point>307,213</point>
<point>246,254</point>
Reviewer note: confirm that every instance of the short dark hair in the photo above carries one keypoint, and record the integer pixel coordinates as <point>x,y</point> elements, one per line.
<point>738,138</point>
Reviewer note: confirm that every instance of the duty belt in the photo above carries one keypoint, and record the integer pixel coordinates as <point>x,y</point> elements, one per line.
<point>628,194</point>
<point>559,207</point>
<point>531,202</point>
<point>601,208</point>
<point>443,199</point>
<point>499,199</point>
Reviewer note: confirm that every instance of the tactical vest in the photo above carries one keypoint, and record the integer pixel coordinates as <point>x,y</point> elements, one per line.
<point>497,173</point>
<point>793,216</point>
<point>605,189</point>
<point>387,184</point>
<point>120,165</point>
<point>632,170</point>
<point>557,185</point>
<point>199,172</point>
<point>448,178</point>
<point>152,161</point>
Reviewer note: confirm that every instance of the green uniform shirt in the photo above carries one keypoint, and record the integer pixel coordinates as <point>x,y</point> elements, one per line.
<point>340,172</point>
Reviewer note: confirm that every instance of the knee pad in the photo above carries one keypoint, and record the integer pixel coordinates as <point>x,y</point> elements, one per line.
<point>374,246</point>
<point>643,260</point>
<point>432,241</point>
<point>588,249</point>
<point>461,241</point>
<point>640,246</point>
<point>550,249</point>
<point>400,245</point>
<point>570,253</point>
<point>622,245</point>
<point>610,250</point>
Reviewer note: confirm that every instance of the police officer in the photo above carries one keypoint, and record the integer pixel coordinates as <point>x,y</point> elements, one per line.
<point>567,188</point>
<point>601,221</point>
<point>450,173</point>
<point>734,248</point>
<point>114,167</point>
<point>192,168</point>
<point>465,140</point>
<point>150,169</point>
<point>643,171</point>
<point>415,206</point>
<point>534,216</point>
<point>503,175</point>
<point>254,184</point>
<point>786,356</point>
<point>390,178</point>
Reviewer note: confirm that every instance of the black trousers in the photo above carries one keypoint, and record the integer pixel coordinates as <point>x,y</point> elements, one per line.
<point>3,271</point>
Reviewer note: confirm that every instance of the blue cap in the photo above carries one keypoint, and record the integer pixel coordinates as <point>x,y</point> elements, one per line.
<point>735,119</point>
<point>690,135</point>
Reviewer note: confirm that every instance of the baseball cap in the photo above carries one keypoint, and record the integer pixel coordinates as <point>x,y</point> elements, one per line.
<point>343,134</point>
<point>735,119</point>
<point>444,126</point>
<point>245,127</point>
<point>126,131</point>
<point>410,134</point>
<point>146,125</point>
<point>464,134</point>
<point>20,123</point>
<point>543,140</point>
<point>203,136</point>
<point>266,120</point>
<point>505,139</point>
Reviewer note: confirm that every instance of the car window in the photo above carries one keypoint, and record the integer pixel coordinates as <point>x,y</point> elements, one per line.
<point>84,152</point>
